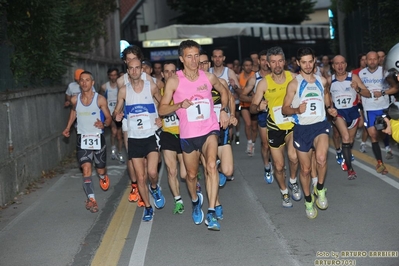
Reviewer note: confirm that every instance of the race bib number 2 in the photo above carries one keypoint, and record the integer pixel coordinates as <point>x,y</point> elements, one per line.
<point>199,111</point>
<point>140,121</point>
<point>90,142</point>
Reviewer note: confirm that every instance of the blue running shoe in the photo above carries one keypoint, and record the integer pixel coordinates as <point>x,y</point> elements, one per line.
<point>268,176</point>
<point>219,212</point>
<point>159,199</point>
<point>148,214</point>
<point>198,214</point>
<point>352,158</point>
<point>212,222</point>
<point>222,179</point>
<point>339,158</point>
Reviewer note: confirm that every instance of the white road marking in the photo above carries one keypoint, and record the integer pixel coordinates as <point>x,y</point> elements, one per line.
<point>372,171</point>
<point>137,257</point>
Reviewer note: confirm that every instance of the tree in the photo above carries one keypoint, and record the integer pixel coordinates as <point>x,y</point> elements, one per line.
<point>261,11</point>
<point>373,20</point>
<point>47,35</point>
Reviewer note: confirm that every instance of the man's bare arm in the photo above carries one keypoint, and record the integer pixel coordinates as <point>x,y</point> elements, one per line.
<point>257,103</point>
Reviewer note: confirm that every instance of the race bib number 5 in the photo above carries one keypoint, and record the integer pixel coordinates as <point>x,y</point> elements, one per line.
<point>90,142</point>
<point>199,111</point>
<point>314,107</point>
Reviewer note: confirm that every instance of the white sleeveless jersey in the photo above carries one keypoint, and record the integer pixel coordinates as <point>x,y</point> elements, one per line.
<point>87,115</point>
<point>313,95</point>
<point>374,82</point>
<point>126,77</point>
<point>318,71</point>
<point>141,112</point>
<point>225,74</point>
<point>112,96</point>
<point>343,96</point>
<point>258,78</point>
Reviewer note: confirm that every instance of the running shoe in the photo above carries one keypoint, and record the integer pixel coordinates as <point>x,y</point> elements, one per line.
<point>363,147</point>
<point>113,153</point>
<point>230,178</point>
<point>311,210</point>
<point>296,193</point>
<point>179,208</point>
<point>148,214</point>
<point>104,183</point>
<point>351,174</point>
<point>249,147</point>
<point>159,199</point>
<point>287,203</point>
<point>268,176</point>
<point>389,154</point>
<point>339,158</point>
<point>120,158</point>
<point>91,204</point>
<point>380,168</point>
<point>222,179</point>
<point>219,212</point>
<point>198,214</point>
<point>321,200</point>
<point>134,193</point>
<point>352,158</point>
<point>140,202</point>
<point>237,139</point>
<point>212,222</point>
<point>344,167</point>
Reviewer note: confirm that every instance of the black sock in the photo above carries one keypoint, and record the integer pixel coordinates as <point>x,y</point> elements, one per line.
<point>134,182</point>
<point>308,198</point>
<point>377,151</point>
<point>346,151</point>
<point>319,186</point>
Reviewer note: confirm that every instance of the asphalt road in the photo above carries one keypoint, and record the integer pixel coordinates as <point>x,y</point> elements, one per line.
<point>50,225</point>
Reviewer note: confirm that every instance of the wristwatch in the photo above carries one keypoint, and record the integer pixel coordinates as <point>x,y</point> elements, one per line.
<point>225,109</point>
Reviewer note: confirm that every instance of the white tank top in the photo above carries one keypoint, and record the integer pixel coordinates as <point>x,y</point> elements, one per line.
<point>87,115</point>
<point>258,78</point>
<point>112,96</point>
<point>343,96</point>
<point>225,74</point>
<point>313,95</point>
<point>374,82</point>
<point>141,112</point>
<point>126,77</point>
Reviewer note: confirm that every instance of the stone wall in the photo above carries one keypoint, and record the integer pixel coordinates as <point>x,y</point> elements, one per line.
<point>31,137</point>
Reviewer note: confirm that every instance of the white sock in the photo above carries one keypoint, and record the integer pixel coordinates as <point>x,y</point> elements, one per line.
<point>293,180</point>
<point>285,191</point>
<point>314,180</point>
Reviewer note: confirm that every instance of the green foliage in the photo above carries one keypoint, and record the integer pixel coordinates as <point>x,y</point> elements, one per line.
<point>47,34</point>
<point>261,11</point>
<point>376,21</point>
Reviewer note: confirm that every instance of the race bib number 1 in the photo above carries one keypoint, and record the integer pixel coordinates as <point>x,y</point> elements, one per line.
<point>90,142</point>
<point>199,111</point>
